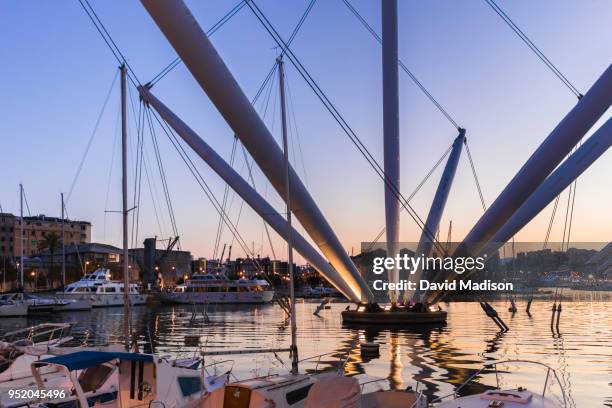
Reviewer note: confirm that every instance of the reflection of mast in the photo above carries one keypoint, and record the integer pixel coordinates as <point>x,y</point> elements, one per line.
<point>395,360</point>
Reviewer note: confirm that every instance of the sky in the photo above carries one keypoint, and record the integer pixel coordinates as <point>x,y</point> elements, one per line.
<point>57,72</point>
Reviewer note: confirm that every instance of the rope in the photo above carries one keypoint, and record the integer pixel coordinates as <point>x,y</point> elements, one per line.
<point>91,137</point>
<point>498,10</point>
<point>341,121</point>
<point>482,201</point>
<point>404,68</point>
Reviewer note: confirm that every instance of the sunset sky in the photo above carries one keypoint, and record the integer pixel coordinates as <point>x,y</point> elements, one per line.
<point>57,71</point>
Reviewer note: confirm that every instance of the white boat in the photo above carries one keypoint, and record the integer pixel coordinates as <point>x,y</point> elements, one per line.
<point>509,396</point>
<point>121,379</point>
<point>98,289</point>
<point>13,305</point>
<point>308,391</point>
<point>204,288</point>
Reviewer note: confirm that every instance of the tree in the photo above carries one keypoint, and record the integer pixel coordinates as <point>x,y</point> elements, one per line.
<point>51,242</point>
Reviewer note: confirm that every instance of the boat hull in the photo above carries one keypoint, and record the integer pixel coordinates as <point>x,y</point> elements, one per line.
<point>217,297</point>
<point>15,310</point>
<point>393,318</point>
<point>103,300</point>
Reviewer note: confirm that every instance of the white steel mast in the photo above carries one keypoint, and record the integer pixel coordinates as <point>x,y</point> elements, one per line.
<point>21,240</point>
<point>294,351</point>
<point>124,212</point>
<point>63,247</point>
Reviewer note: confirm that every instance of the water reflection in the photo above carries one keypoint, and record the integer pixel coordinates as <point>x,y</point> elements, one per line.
<point>438,357</point>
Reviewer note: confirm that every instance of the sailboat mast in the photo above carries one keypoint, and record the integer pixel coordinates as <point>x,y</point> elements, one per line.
<point>21,240</point>
<point>63,246</point>
<point>294,351</point>
<point>124,182</point>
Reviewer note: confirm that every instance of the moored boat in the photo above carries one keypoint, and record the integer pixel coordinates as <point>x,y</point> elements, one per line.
<point>218,288</point>
<point>508,396</point>
<point>98,289</point>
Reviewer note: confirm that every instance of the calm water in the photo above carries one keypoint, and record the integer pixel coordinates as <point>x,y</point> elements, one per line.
<point>438,357</point>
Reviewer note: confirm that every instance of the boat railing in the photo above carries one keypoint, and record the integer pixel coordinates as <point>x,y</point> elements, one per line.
<point>494,365</point>
<point>343,360</point>
<point>45,333</point>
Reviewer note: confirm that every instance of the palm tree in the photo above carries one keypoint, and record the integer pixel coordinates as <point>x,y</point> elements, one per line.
<point>51,242</point>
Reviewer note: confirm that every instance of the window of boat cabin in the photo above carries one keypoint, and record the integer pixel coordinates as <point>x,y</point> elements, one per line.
<point>111,289</point>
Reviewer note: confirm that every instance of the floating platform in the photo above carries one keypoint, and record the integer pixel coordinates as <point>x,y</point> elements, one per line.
<point>393,317</point>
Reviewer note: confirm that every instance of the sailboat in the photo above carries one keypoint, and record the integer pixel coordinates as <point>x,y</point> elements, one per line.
<point>122,378</point>
<point>506,397</point>
<point>295,389</point>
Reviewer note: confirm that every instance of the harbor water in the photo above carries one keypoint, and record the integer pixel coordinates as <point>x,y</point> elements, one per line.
<point>439,358</point>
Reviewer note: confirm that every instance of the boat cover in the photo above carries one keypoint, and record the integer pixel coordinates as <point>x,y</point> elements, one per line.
<point>86,359</point>
<point>334,392</point>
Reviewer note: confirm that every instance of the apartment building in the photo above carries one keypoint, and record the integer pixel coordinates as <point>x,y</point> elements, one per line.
<point>36,229</point>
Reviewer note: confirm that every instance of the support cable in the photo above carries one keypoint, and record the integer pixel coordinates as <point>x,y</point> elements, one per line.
<point>482,200</point>
<point>231,13</point>
<point>108,39</point>
<point>411,196</point>
<point>342,122</point>
<point>498,10</point>
<point>404,68</point>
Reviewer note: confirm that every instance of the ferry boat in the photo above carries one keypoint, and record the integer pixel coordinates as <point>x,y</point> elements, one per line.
<point>101,291</point>
<point>207,288</point>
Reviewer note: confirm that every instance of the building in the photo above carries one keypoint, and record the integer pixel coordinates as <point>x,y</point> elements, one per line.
<point>7,235</point>
<point>35,230</point>
<point>169,264</point>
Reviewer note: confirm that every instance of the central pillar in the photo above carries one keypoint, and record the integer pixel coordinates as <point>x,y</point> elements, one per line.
<point>391,133</point>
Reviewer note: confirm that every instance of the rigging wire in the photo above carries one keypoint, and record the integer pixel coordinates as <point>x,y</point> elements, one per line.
<point>224,203</point>
<point>569,227</point>
<point>199,179</point>
<point>91,137</point>
<point>411,196</point>
<point>293,121</point>
<point>551,221</point>
<point>482,200</point>
<point>404,68</point>
<point>137,167</point>
<point>110,169</point>
<point>498,10</point>
<point>108,39</point>
<point>342,122</point>
<point>265,106</point>
<point>162,174</point>
<point>25,198</point>
<point>231,13</point>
